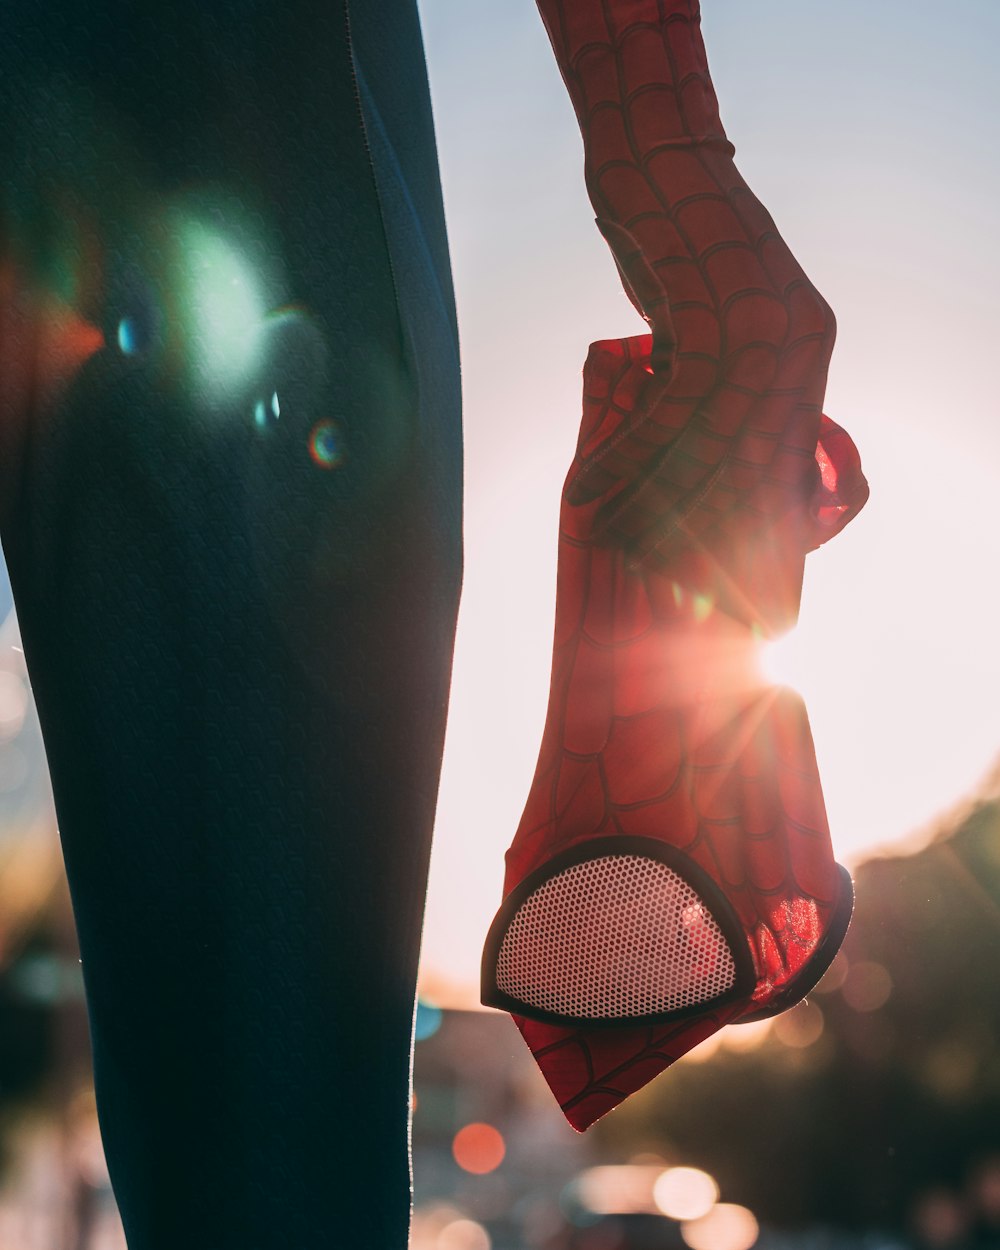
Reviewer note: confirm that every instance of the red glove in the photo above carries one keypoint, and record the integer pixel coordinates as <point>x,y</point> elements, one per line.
<point>673,871</point>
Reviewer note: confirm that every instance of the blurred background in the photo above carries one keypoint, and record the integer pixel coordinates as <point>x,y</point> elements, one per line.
<point>870,1115</point>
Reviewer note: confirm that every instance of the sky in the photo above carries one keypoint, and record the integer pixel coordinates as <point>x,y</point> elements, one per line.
<point>869,131</point>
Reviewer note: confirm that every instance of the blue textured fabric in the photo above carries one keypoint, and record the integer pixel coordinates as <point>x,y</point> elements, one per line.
<point>237,610</point>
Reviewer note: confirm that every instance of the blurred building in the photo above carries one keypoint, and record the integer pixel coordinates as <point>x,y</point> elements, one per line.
<point>490,1146</point>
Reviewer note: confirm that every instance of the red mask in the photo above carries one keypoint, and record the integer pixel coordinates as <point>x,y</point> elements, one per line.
<point>673,870</point>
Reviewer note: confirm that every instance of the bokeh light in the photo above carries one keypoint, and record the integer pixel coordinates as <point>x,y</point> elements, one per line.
<point>427,1022</point>
<point>726,1227</point>
<point>941,1219</point>
<point>950,1069</point>
<point>478,1148</point>
<point>463,1235</point>
<point>685,1193</point>
<point>867,986</point>
<point>800,1027</point>
<point>835,975</point>
<point>429,1219</point>
<point>617,1189</point>
<point>985,1184</point>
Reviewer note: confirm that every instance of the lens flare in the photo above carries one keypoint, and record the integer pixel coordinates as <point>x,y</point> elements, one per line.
<point>128,336</point>
<point>326,446</point>
<point>267,412</point>
<point>786,661</point>
<point>222,306</point>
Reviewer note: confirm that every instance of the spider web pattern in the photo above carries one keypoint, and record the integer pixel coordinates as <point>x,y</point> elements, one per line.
<point>719,423</point>
<point>704,472</point>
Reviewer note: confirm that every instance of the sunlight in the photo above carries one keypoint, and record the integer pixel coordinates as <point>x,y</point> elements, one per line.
<point>783,661</point>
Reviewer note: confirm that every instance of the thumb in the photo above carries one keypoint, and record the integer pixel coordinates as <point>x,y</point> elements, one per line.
<point>646,291</point>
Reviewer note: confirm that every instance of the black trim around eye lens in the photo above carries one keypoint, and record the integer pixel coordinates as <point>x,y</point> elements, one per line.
<point>820,960</point>
<point>707,890</point>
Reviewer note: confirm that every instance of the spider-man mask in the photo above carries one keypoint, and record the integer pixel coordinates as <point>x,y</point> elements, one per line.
<point>673,870</point>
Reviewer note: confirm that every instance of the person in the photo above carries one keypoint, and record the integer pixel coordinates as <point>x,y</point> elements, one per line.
<point>230,506</point>
<point>673,870</point>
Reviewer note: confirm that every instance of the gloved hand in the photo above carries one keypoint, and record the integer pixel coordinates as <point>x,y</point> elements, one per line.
<point>673,870</point>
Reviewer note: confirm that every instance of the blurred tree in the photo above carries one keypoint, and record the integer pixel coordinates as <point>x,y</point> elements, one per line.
<point>886,1085</point>
<point>28,994</point>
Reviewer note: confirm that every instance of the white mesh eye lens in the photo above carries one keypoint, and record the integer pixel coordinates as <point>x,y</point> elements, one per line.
<point>619,937</point>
